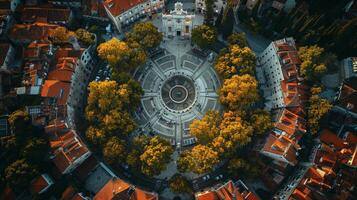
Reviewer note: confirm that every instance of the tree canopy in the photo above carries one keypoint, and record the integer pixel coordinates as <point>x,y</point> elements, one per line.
<point>261,121</point>
<point>315,62</point>
<point>107,108</point>
<point>235,60</point>
<point>114,151</point>
<point>84,36</point>
<point>114,51</point>
<point>239,92</point>
<point>180,184</point>
<point>156,155</point>
<point>238,39</point>
<point>19,174</point>
<point>201,159</point>
<point>60,34</point>
<point>317,109</point>
<point>209,12</point>
<point>204,36</point>
<point>146,35</point>
<point>206,129</point>
<point>234,132</point>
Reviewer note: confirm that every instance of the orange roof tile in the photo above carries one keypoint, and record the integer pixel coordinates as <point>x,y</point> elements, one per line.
<point>56,89</point>
<point>39,184</point>
<point>117,7</point>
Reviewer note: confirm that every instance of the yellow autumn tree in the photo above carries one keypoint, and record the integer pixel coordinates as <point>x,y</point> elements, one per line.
<point>60,34</point>
<point>206,129</point>
<point>114,51</point>
<point>107,107</point>
<point>157,154</point>
<point>239,92</point>
<point>234,132</point>
<point>261,121</point>
<point>84,36</point>
<point>145,34</point>
<point>318,107</point>
<point>201,159</point>
<point>235,60</point>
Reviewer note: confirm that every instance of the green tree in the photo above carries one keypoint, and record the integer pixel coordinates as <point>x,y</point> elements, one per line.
<point>227,21</point>
<point>19,174</point>
<point>157,154</point>
<point>209,12</point>
<point>317,109</point>
<point>238,39</point>
<point>201,159</point>
<point>239,92</point>
<point>145,34</point>
<point>180,184</point>
<point>134,87</point>
<point>35,150</point>
<point>138,145</point>
<point>21,125</point>
<point>235,60</point>
<point>204,36</point>
<point>238,167</point>
<point>114,151</point>
<point>96,135</point>
<point>206,129</point>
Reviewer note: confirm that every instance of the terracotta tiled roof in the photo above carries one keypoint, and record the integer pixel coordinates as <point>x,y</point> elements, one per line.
<point>117,7</point>
<point>56,89</point>
<point>119,189</point>
<point>68,149</point>
<point>40,184</point>
<point>348,94</point>
<point>282,146</point>
<point>31,32</point>
<point>228,191</point>
<point>291,123</point>
<point>83,170</point>
<point>64,70</point>
<point>44,14</point>
<point>7,193</point>
<point>71,194</point>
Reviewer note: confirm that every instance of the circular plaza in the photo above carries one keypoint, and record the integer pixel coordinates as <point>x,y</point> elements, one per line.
<point>179,85</point>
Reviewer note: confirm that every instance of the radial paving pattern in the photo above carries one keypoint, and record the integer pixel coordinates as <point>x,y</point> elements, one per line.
<point>179,87</point>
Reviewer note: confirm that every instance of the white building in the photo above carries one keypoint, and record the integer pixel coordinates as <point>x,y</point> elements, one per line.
<point>218,5</point>
<point>125,12</point>
<point>178,22</point>
<point>348,68</point>
<point>277,71</point>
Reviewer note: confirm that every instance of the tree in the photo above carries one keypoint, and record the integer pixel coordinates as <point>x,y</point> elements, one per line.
<point>239,92</point>
<point>19,174</point>
<point>145,34</point>
<point>138,145</point>
<point>113,51</point>
<point>60,34</point>
<point>234,132</point>
<point>180,184</point>
<point>156,156</point>
<point>314,62</point>
<point>218,21</point>
<point>107,104</point>
<point>235,60</point>
<point>114,151</point>
<point>96,135</point>
<point>201,159</point>
<point>209,12</point>
<point>239,167</point>
<point>227,21</point>
<point>238,39</point>
<point>21,126</point>
<point>84,36</point>
<point>316,111</point>
<point>203,36</point>
<point>206,129</point>
<point>135,89</point>
<point>35,150</point>
<point>261,121</point>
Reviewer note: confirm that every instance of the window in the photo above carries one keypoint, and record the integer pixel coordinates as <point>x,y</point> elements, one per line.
<point>170,29</point>
<point>187,29</point>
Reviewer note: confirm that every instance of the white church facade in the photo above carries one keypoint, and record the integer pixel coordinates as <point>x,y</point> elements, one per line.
<point>178,23</point>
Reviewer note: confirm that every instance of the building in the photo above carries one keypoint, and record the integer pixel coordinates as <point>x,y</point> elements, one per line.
<point>70,193</point>
<point>68,150</point>
<point>118,189</point>
<point>27,33</point>
<point>41,184</point>
<point>7,55</point>
<point>45,14</point>
<point>124,13</point>
<point>277,72</point>
<point>227,191</point>
<point>178,22</point>
<point>347,97</point>
<point>348,68</point>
